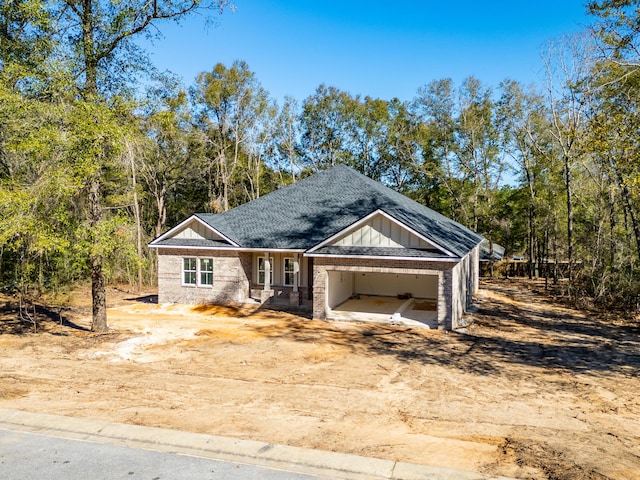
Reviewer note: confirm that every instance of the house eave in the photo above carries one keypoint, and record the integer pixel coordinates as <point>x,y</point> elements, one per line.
<point>382,257</point>
<point>229,248</point>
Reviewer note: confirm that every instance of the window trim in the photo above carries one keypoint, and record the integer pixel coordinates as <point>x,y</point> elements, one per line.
<point>292,272</point>
<point>198,272</point>
<point>202,272</point>
<point>190,271</point>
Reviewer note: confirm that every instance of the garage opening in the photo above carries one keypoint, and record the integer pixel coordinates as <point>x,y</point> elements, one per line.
<point>398,298</point>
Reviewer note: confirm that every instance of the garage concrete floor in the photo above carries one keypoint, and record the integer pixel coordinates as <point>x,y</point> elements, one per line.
<point>378,309</point>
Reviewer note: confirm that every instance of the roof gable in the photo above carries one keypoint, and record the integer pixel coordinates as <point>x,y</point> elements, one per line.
<point>193,232</point>
<point>198,230</point>
<point>379,230</point>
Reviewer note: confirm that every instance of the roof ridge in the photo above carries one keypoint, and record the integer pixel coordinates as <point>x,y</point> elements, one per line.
<point>303,214</point>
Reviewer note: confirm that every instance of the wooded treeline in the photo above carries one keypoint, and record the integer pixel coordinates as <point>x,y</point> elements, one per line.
<point>92,167</point>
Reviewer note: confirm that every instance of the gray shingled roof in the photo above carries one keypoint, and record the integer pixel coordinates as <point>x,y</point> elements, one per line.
<point>485,253</point>
<point>307,212</point>
<point>191,242</point>
<point>380,252</point>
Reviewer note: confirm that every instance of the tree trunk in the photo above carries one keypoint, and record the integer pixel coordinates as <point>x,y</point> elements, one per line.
<point>90,60</point>
<point>568,187</point>
<point>225,193</point>
<point>292,165</point>
<point>628,207</point>
<point>612,227</point>
<point>475,205</point>
<point>161,205</point>
<point>98,292</point>
<point>546,257</point>
<point>136,214</point>
<point>555,250</point>
<point>531,241</point>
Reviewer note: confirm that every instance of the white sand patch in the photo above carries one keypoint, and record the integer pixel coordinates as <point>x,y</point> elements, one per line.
<point>137,348</point>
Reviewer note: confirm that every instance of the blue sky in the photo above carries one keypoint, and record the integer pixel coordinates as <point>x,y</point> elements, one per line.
<point>376,48</point>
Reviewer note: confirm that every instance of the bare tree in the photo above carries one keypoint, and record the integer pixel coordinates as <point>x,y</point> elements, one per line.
<point>568,66</point>
<point>232,103</point>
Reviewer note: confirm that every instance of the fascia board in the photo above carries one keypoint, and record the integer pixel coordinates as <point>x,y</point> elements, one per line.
<point>380,257</point>
<point>231,248</point>
<point>275,250</point>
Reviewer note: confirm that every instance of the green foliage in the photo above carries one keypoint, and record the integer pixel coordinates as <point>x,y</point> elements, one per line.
<point>37,190</point>
<point>25,37</point>
<point>378,138</point>
<point>285,152</point>
<point>86,174</point>
<point>49,150</point>
<point>232,117</point>
<point>164,154</point>
<point>114,240</point>
<point>618,28</point>
<point>323,135</point>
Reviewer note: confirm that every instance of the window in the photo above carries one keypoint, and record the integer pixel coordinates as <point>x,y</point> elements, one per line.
<point>206,271</point>
<point>189,274</point>
<point>197,271</point>
<point>262,269</point>
<point>288,271</point>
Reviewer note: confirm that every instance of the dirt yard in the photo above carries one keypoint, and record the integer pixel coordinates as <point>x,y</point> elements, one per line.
<point>532,389</point>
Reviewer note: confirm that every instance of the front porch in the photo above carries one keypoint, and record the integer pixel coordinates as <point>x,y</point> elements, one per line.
<point>281,279</point>
<point>282,296</point>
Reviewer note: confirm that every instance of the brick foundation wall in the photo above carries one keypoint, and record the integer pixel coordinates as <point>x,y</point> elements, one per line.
<point>282,294</point>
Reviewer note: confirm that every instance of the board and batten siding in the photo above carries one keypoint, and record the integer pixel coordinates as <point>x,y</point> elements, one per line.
<point>196,230</point>
<point>379,231</point>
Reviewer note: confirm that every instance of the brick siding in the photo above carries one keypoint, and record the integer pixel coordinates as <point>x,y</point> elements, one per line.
<point>232,285</point>
<point>231,272</point>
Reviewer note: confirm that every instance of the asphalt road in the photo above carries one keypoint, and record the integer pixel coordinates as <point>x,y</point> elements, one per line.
<point>28,456</point>
<point>52,447</point>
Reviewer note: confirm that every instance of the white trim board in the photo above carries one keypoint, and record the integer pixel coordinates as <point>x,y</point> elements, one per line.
<point>381,257</point>
<point>230,247</point>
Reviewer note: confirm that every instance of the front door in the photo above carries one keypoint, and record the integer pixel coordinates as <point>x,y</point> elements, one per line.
<point>310,278</point>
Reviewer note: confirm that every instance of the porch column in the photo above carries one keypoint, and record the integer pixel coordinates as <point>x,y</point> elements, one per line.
<point>267,271</point>
<point>296,272</point>
<point>266,294</point>
<point>294,296</point>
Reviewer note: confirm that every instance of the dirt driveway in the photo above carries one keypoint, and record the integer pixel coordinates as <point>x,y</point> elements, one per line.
<point>531,389</point>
